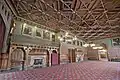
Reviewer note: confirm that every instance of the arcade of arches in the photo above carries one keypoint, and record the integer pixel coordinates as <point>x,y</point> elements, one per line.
<point>59,40</point>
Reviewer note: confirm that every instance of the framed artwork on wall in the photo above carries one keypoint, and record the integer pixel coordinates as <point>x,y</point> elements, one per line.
<point>38,32</point>
<point>27,30</point>
<point>46,35</point>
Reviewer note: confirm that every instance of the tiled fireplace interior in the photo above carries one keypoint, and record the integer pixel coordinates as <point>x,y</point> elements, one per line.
<point>38,61</point>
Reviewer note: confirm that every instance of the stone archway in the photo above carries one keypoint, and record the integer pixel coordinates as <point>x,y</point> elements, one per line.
<point>18,58</point>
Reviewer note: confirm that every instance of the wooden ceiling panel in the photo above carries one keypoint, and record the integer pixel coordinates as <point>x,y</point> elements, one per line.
<point>88,19</point>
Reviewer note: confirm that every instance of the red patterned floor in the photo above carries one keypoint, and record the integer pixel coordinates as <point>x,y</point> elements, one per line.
<point>90,70</point>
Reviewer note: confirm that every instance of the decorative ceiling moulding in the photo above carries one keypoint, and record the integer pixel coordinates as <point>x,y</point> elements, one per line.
<point>85,16</point>
<point>61,13</point>
<point>64,16</point>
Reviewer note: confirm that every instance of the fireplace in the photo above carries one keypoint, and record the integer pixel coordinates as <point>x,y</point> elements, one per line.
<point>38,61</point>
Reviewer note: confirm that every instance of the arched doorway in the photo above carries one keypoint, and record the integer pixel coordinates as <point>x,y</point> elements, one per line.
<point>18,58</point>
<point>103,53</point>
<point>54,58</point>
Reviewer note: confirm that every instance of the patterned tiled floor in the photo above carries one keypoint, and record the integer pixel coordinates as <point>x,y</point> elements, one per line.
<point>90,70</point>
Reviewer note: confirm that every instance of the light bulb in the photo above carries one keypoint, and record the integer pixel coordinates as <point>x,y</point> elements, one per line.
<point>46,30</point>
<point>100,47</point>
<point>35,27</point>
<point>53,33</point>
<point>92,45</point>
<point>66,34</point>
<point>24,24</point>
<point>95,47</point>
<point>61,39</point>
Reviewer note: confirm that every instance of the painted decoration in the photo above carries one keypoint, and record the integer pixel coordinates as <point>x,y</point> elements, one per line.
<point>27,30</point>
<point>38,32</point>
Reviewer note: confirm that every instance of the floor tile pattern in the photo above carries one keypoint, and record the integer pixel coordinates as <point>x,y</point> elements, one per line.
<point>88,70</point>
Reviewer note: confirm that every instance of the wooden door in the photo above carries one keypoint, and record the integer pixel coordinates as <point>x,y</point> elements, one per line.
<point>47,58</point>
<point>71,55</point>
<point>54,58</point>
<point>18,58</point>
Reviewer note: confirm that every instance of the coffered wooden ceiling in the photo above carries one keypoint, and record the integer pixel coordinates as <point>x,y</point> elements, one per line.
<point>87,19</point>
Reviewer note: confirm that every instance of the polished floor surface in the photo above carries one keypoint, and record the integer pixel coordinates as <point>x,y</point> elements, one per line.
<point>88,70</point>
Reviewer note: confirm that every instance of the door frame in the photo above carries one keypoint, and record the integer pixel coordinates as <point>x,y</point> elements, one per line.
<point>24,56</point>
